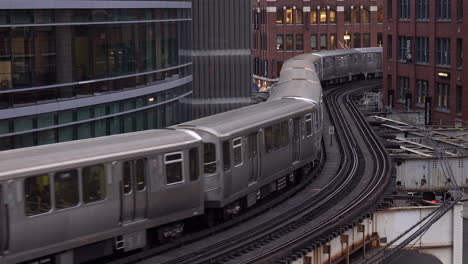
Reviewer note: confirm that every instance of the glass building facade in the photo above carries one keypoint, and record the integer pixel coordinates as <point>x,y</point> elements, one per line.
<point>68,73</point>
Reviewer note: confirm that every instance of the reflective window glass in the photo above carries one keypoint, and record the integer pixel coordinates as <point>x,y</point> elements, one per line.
<point>94,183</point>
<point>140,171</point>
<point>237,149</point>
<point>173,164</point>
<point>66,189</point>
<point>308,124</point>
<point>210,158</point>
<point>193,157</point>
<point>127,178</point>
<point>37,195</point>
<point>226,155</point>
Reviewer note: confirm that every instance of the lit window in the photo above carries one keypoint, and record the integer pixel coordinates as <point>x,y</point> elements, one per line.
<point>313,16</point>
<point>323,15</point>
<point>289,16</point>
<point>332,18</point>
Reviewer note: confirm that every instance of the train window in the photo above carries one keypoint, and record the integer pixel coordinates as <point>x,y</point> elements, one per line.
<point>308,124</point>
<point>237,147</point>
<point>284,134</point>
<point>127,178</point>
<point>370,57</point>
<point>210,158</point>
<point>140,171</point>
<point>173,162</point>
<point>226,155</point>
<point>268,139</point>
<point>66,189</point>
<point>37,195</point>
<point>276,136</point>
<point>193,157</point>
<point>355,58</point>
<point>94,183</point>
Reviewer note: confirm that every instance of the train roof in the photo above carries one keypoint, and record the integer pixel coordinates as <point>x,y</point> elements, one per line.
<point>335,52</point>
<point>371,49</point>
<point>40,159</point>
<point>304,88</point>
<point>236,121</point>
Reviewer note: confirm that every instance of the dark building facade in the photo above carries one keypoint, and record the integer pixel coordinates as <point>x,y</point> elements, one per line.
<point>283,29</point>
<point>423,59</point>
<point>222,76</point>
<point>79,69</point>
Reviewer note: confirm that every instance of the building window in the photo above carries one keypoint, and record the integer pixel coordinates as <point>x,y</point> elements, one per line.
<point>289,43</point>
<point>443,51</point>
<point>255,19</point>
<point>332,41</point>
<point>289,16</point>
<point>313,16</point>
<point>299,42</point>
<point>356,15</point>
<point>402,48</point>
<point>379,39</point>
<point>298,16</point>
<point>279,42</point>
<point>459,98</point>
<point>422,50</point>
<point>366,40</point>
<point>365,16</point>
<point>389,47</point>
<point>459,52</point>
<point>443,96</point>
<point>265,68</point>
<point>443,9</point>
<point>313,42</point>
<point>323,41</point>
<point>279,16</point>
<point>356,40</point>
<point>404,10</point>
<point>389,9</point>
<point>402,88</point>
<point>422,90</point>
<point>422,9</point>
<point>380,15</point>
<point>323,16</point>
<point>459,9</point>
<point>332,17</point>
<point>347,15</point>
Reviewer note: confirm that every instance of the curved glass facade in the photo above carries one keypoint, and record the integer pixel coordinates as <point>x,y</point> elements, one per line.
<point>69,74</point>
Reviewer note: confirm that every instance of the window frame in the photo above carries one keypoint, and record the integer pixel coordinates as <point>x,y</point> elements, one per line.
<point>308,119</point>
<point>105,183</point>
<point>181,160</point>
<point>77,175</point>
<point>51,204</point>
<point>234,146</point>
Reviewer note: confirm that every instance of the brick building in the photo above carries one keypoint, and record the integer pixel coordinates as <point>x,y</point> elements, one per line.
<point>283,29</point>
<point>423,57</point>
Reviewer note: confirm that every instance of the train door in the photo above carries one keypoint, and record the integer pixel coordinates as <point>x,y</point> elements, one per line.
<point>296,139</point>
<point>252,142</point>
<point>133,190</point>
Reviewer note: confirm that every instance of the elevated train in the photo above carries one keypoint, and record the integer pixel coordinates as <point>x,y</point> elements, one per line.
<point>75,201</point>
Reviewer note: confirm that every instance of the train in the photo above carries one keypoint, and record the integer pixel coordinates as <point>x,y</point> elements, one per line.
<point>76,201</point>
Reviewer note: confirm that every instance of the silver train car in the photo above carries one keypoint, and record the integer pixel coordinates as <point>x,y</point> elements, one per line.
<point>338,66</point>
<point>76,201</point>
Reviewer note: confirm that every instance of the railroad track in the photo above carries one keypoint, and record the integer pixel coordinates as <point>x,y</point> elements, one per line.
<point>341,201</point>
